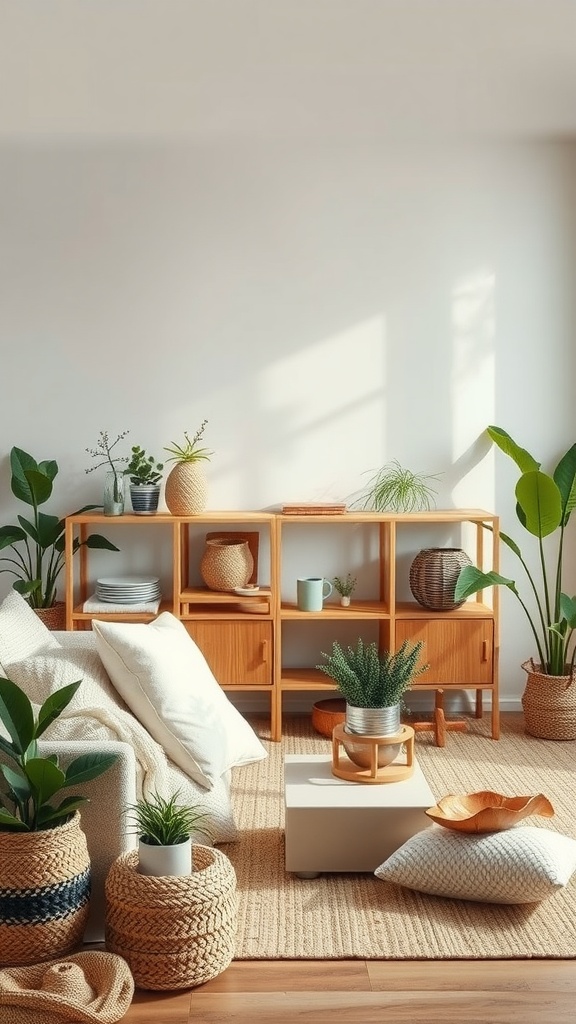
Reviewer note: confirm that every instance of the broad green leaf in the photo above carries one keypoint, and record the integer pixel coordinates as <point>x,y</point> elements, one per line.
<point>565,478</point>
<point>8,819</point>
<point>54,705</point>
<point>30,485</point>
<point>26,586</point>
<point>568,609</point>
<point>69,804</point>
<point>29,528</point>
<point>87,767</point>
<point>16,714</point>
<point>471,580</point>
<point>95,540</point>
<point>539,498</point>
<point>510,543</point>
<point>520,456</point>
<point>49,468</point>
<point>11,535</point>
<point>45,778</point>
<point>49,529</point>
<point>17,781</point>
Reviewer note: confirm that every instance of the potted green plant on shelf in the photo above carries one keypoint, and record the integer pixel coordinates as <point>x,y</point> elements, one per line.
<point>544,504</point>
<point>396,489</point>
<point>40,835</point>
<point>344,586</point>
<point>114,481</point>
<point>37,545</point>
<point>145,475</point>
<point>165,830</point>
<point>186,491</point>
<point>373,683</point>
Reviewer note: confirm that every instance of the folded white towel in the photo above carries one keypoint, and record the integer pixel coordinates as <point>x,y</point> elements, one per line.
<point>94,604</point>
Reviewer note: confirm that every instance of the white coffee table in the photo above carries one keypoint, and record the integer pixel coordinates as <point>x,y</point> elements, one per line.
<point>334,825</point>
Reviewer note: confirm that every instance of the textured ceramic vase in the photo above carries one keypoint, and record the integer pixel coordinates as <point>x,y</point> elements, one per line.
<point>186,492</point>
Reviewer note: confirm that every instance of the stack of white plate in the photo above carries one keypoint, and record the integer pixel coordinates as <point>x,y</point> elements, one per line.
<point>128,589</point>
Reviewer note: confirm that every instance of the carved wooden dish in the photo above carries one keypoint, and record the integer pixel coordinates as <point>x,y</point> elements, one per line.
<point>487,811</point>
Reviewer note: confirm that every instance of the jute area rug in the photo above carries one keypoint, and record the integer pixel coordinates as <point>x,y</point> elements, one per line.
<point>358,916</point>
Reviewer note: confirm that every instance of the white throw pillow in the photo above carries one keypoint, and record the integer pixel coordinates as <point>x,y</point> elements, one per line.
<point>524,864</point>
<point>166,682</point>
<point>22,633</point>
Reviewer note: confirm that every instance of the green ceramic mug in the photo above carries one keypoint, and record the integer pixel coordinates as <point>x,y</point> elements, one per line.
<point>311,592</point>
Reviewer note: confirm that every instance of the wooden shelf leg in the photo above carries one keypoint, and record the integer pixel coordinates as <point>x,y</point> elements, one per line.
<point>479,694</point>
<point>439,719</point>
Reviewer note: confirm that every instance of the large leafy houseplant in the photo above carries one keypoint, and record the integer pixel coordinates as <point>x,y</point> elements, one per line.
<point>369,678</point>
<point>544,504</point>
<point>32,782</point>
<point>37,544</point>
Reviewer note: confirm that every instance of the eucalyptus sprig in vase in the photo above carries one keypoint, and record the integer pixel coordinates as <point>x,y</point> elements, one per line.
<point>114,490</point>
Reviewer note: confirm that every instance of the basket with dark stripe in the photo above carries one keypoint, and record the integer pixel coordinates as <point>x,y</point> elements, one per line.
<point>44,893</point>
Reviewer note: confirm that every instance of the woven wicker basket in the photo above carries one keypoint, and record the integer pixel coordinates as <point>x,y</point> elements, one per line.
<point>44,893</point>
<point>433,576</point>
<point>549,704</point>
<point>54,618</point>
<point>186,490</point>
<point>174,932</point>
<point>226,564</point>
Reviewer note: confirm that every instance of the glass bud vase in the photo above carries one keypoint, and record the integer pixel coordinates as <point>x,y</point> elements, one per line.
<point>114,494</point>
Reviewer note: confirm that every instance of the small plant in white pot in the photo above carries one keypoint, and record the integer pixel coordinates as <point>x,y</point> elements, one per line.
<point>165,830</point>
<point>145,475</point>
<point>344,586</point>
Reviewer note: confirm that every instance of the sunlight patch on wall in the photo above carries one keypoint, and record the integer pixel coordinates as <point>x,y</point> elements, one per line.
<point>473,386</point>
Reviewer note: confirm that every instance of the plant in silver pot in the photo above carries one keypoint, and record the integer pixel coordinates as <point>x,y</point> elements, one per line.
<point>373,683</point>
<point>145,476</point>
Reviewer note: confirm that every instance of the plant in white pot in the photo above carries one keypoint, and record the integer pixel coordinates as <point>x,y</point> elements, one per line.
<point>344,585</point>
<point>165,830</point>
<point>44,862</point>
<point>373,683</point>
<point>544,504</point>
<point>145,475</point>
<point>186,491</point>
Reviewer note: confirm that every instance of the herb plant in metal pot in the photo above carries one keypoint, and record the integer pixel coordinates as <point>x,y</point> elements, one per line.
<point>373,683</point>
<point>44,861</point>
<point>544,504</point>
<point>165,830</point>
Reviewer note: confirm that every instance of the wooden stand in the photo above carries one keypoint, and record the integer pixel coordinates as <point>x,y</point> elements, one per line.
<point>439,726</point>
<point>387,773</point>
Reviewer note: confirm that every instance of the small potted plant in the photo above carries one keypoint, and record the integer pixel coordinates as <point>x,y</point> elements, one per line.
<point>186,491</point>
<point>145,475</point>
<point>40,838</point>
<point>344,587</point>
<point>165,830</point>
<point>396,489</point>
<point>114,482</point>
<point>37,545</point>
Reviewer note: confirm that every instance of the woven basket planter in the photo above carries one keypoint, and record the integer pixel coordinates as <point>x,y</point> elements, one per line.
<point>433,576</point>
<point>44,893</point>
<point>186,490</point>
<point>549,704</point>
<point>226,564</point>
<point>174,932</point>
<point>54,618</point>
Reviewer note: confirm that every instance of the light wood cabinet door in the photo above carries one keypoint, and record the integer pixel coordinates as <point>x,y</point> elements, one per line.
<point>458,651</point>
<point>237,652</point>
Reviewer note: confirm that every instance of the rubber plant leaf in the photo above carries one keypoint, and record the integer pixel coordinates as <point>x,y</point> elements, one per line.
<point>16,715</point>
<point>45,778</point>
<point>54,705</point>
<point>87,767</point>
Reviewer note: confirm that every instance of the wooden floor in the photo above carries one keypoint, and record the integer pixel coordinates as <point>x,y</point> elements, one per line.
<point>371,992</point>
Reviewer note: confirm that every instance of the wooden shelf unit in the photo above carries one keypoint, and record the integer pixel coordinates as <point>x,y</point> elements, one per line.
<point>244,638</point>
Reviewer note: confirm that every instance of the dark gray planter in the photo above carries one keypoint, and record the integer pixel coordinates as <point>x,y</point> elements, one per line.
<point>144,498</point>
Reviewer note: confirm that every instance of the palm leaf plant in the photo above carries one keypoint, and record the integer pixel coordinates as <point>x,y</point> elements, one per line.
<point>544,504</point>
<point>37,545</point>
<point>33,782</point>
<point>369,678</point>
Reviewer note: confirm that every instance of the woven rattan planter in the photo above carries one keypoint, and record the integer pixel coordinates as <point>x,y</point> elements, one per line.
<point>549,704</point>
<point>226,563</point>
<point>54,618</point>
<point>433,577</point>
<point>44,893</point>
<point>186,490</point>
<point>174,932</point>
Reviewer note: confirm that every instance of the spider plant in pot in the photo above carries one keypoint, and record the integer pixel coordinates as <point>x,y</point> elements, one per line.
<point>186,491</point>
<point>544,504</point>
<point>36,545</point>
<point>165,830</point>
<point>44,861</point>
<point>344,586</point>
<point>373,683</point>
<point>145,475</point>
<point>396,489</point>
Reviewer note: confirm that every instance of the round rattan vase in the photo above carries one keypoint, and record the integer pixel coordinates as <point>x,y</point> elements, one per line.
<point>371,722</point>
<point>549,704</point>
<point>54,618</point>
<point>44,893</point>
<point>433,577</point>
<point>186,491</point>
<point>226,563</point>
<point>173,932</point>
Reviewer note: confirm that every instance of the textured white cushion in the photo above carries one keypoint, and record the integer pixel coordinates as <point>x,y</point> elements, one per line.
<point>166,682</point>
<point>97,715</point>
<point>520,865</point>
<point>21,631</point>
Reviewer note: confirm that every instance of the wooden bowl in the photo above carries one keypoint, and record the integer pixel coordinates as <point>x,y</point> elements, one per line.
<point>487,811</point>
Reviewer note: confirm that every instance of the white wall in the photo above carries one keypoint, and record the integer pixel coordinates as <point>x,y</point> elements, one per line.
<point>327,309</point>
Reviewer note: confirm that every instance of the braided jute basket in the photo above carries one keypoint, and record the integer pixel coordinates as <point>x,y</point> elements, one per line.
<point>44,893</point>
<point>174,932</point>
<point>549,704</point>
